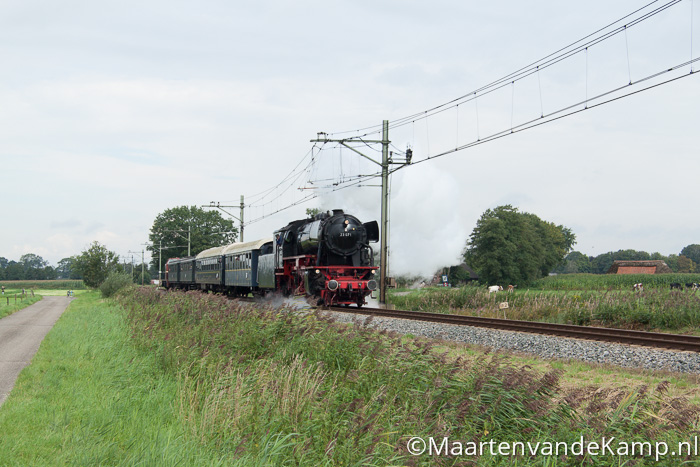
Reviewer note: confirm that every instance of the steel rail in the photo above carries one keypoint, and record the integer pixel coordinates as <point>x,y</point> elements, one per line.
<point>624,336</point>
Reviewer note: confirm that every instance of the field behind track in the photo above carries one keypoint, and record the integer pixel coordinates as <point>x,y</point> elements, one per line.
<point>601,282</point>
<point>581,299</point>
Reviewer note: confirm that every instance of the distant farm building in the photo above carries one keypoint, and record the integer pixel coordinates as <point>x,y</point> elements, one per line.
<point>456,274</point>
<point>639,267</point>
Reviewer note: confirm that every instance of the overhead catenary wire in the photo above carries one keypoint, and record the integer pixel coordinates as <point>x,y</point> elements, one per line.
<point>561,54</point>
<point>580,46</point>
<point>565,112</point>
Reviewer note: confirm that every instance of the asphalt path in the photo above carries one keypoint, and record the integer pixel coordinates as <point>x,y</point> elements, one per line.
<point>20,336</point>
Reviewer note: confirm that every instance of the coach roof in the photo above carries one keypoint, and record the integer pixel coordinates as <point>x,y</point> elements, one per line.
<point>233,248</point>
<point>216,251</point>
<point>247,246</point>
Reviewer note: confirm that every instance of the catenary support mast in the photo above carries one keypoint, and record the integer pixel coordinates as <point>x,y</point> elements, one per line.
<point>386,161</point>
<point>384,243</point>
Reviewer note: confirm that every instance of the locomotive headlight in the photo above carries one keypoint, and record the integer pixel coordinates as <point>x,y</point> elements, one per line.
<point>374,271</point>
<point>332,285</point>
<point>318,271</point>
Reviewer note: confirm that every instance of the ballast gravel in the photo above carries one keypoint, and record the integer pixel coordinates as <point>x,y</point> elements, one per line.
<point>551,347</point>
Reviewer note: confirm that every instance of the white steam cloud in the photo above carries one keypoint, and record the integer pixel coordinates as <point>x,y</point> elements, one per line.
<point>426,230</point>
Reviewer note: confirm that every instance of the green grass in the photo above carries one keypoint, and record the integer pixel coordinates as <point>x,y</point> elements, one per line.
<point>90,398</point>
<point>13,301</point>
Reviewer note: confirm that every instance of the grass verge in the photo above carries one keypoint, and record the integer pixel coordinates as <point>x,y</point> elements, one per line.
<point>90,398</point>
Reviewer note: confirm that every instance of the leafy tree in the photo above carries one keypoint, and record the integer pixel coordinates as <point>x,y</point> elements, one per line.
<point>34,267</point>
<point>631,255</point>
<point>144,278</point>
<point>601,263</point>
<point>3,262</point>
<point>691,251</point>
<point>49,273</point>
<point>32,261</point>
<point>66,269</point>
<point>311,212</point>
<point>169,232</point>
<point>575,262</point>
<point>508,246</point>
<point>458,275</point>
<point>95,264</point>
<point>14,271</point>
<point>685,264</point>
<point>672,262</point>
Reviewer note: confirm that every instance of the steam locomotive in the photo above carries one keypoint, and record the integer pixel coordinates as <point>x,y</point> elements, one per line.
<point>327,257</point>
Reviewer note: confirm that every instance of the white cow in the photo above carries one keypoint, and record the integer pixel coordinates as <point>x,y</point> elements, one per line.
<point>494,288</point>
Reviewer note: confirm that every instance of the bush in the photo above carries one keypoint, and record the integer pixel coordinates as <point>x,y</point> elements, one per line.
<point>115,282</point>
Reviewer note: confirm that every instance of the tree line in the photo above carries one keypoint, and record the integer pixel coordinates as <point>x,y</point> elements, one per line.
<point>33,267</point>
<point>576,262</point>
<point>176,232</point>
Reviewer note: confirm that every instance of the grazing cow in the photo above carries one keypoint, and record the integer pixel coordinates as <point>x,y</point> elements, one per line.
<point>638,287</point>
<point>676,285</point>
<point>511,288</point>
<point>494,288</point>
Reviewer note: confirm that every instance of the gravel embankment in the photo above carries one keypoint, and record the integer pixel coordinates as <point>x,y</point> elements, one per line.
<point>541,345</point>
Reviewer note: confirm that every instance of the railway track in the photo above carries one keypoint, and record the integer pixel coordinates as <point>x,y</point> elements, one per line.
<point>648,339</point>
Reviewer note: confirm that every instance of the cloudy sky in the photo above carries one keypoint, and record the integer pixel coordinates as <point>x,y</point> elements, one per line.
<point>111,112</point>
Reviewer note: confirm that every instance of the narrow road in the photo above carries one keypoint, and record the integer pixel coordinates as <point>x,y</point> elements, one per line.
<point>20,336</point>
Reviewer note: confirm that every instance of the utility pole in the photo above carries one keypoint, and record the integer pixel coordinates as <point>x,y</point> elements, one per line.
<point>221,207</point>
<point>386,161</point>
<point>241,219</point>
<point>142,260</point>
<point>142,265</point>
<point>160,259</point>
<point>384,244</point>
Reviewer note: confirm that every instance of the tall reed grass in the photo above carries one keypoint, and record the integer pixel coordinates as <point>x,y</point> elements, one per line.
<point>277,387</point>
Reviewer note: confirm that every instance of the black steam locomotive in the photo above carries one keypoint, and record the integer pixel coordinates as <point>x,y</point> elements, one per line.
<point>327,257</point>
